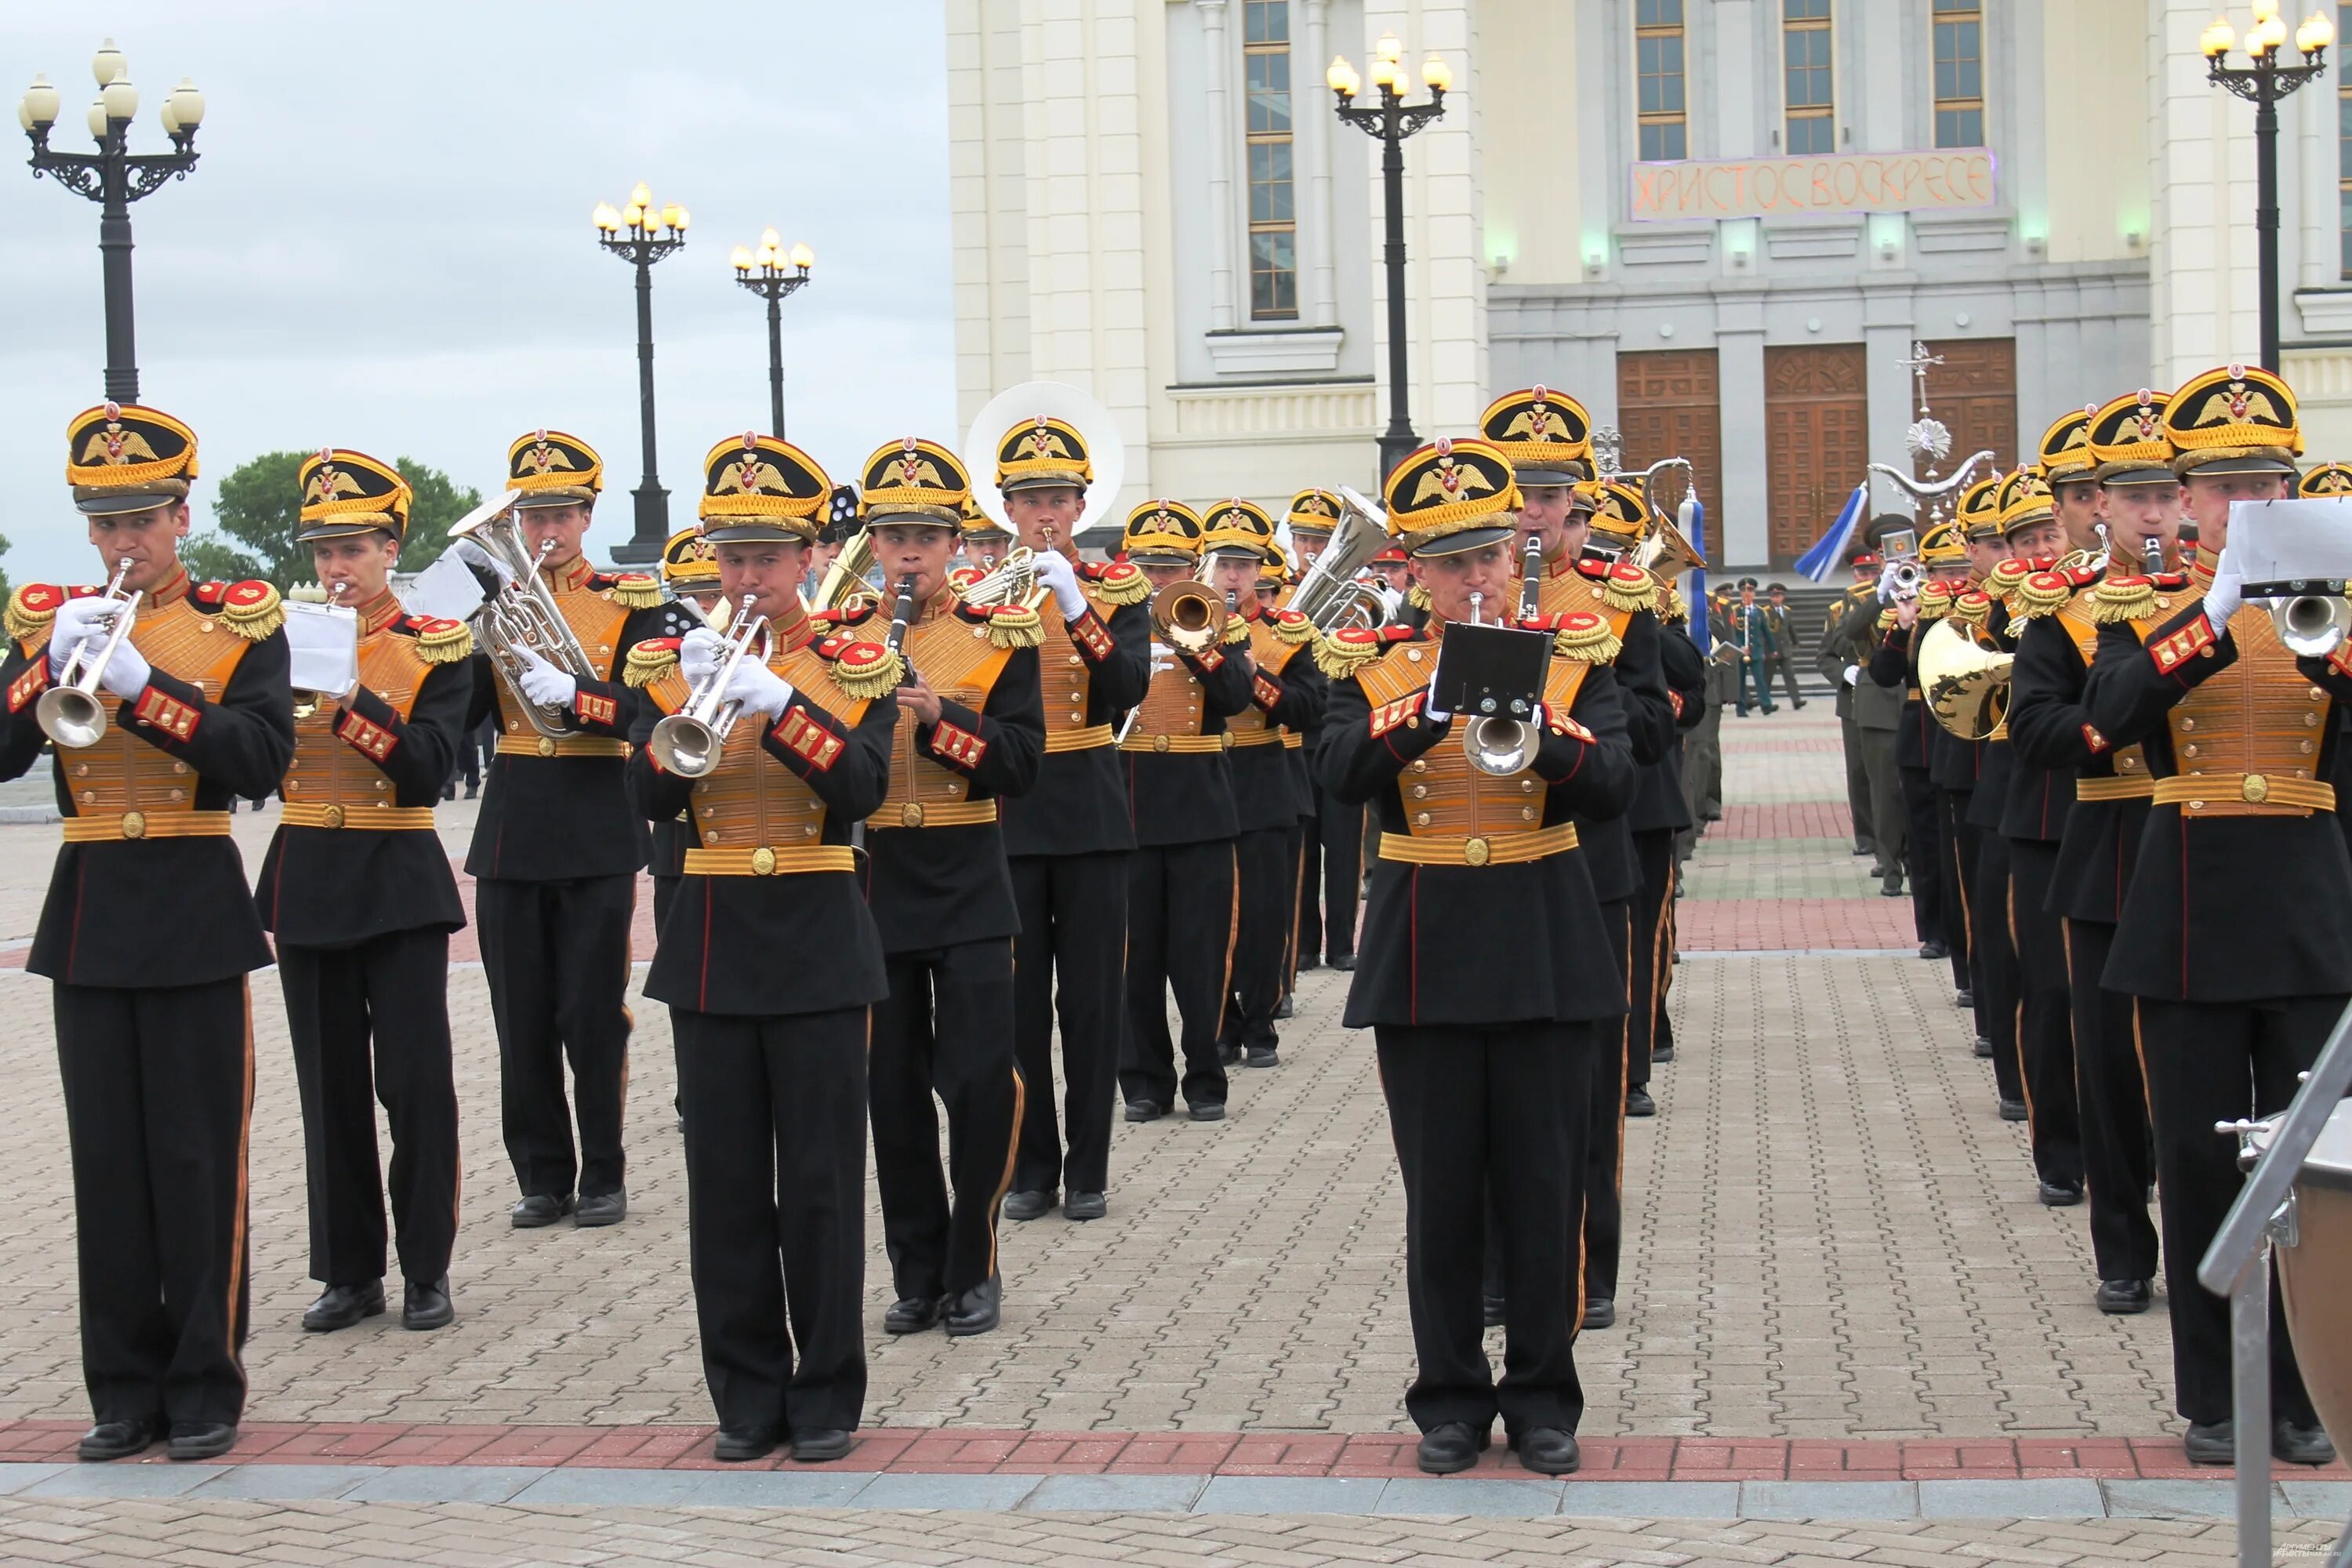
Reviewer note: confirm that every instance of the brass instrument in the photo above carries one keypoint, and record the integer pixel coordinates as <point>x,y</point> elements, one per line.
<point>71,712</point>
<point>1964,680</point>
<point>845,578</point>
<point>689,741</point>
<point>1327,593</point>
<point>522,614</point>
<point>2312,626</point>
<point>301,605</point>
<point>1187,616</point>
<point>1012,580</point>
<point>1494,744</point>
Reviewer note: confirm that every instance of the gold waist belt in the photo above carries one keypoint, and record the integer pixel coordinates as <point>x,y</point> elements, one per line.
<point>563,746</point>
<point>2138,786</point>
<point>310,814</point>
<point>1292,740</point>
<point>765,862</point>
<point>1502,849</point>
<point>1255,737</point>
<point>2227,791</point>
<point>1176,743</point>
<point>936,814</point>
<point>138,824</point>
<point>1086,740</point>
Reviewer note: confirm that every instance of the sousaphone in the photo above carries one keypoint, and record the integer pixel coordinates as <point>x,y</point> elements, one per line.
<point>1106,447</point>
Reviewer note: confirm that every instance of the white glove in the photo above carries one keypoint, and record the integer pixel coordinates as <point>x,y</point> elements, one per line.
<point>2223,599</point>
<point>759,690</point>
<point>542,683</point>
<point>698,652</point>
<point>78,621</point>
<point>1053,570</point>
<point>126,673</point>
<point>1853,675</point>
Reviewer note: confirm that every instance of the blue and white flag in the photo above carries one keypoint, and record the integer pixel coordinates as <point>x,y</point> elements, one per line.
<point>1694,598</point>
<point>1829,551</point>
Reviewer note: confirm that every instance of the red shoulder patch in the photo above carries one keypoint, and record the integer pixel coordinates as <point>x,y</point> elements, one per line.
<point>660,644</point>
<point>1357,636</point>
<point>1290,617</point>
<point>860,655</point>
<point>1596,569</point>
<point>424,626</point>
<point>247,593</point>
<point>210,592</point>
<point>40,598</point>
<point>1627,573</point>
<point>1582,620</point>
<point>1398,632</point>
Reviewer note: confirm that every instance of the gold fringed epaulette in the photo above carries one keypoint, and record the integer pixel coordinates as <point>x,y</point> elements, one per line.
<point>1292,627</point>
<point>635,590</point>
<point>2042,593</point>
<point>1887,620</point>
<point>1014,625</point>
<point>440,641</point>
<point>1121,582</point>
<point>1629,588</point>
<point>649,661</point>
<point>866,670</point>
<point>30,610</point>
<point>1674,612</point>
<point>1342,653</point>
<point>1417,596</point>
<point>1972,607</point>
<point>2121,599</point>
<point>1237,632</point>
<point>1585,637</point>
<point>252,609</point>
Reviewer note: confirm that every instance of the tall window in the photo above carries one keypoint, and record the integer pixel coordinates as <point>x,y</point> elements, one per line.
<point>1960,73</point>
<point>1658,66</point>
<point>1274,203</point>
<point>2344,146</point>
<point>1805,75</point>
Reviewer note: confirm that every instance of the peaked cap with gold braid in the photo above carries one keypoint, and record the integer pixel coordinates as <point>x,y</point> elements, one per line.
<point>2237,420</point>
<point>2127,440</point>
<point>760,489</point>
<point>1040,454</point>
<point>1313,511</point>
<point>346,493</point>
<point>1546,436</point>
<point>1452,496</point>
<point>689,565</point>
<point>1977,516</point>
<point>2065,451</point>
<point>551,469</point>
<point>1238,527</point>
<point>978,525</point>
<point>2326,482</point>
<point>911,481</point>
<point>122,458</point>
<point>1941,546</point>
<point>1162,534</point>
<point>1620,515</point>
<point>2022,500</point>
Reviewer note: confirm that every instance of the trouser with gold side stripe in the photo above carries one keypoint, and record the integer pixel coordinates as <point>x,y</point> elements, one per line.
<point>775,1193</point>
<point>2208,1062</point>
<point>2045,1024</point>
<point>371,1022</point>
<point>1070,957</point>
<point>1267,898</point>
<point>1180,944</point>
<point>1993,962</point>
<point>1652,952</point>
<point>556,955</point>
<point>1501,1110</point>
<point>159,1101</point>
<point>1604,1140</point>
<point>1331,880</point>
<point>2118,1163</point>
<point>945,1030</point>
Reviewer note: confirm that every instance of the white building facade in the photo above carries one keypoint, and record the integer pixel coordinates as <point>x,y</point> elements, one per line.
<point>1720,224</point>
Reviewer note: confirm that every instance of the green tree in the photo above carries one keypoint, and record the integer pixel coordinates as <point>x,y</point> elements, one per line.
<point>437,504</point>
<point>259,503</point>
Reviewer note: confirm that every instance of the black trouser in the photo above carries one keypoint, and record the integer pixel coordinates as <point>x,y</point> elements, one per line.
<point>1604,1139</point>
<point>1500,1109</point>
<point>1652,955</point>
<point>1331,878</point>
<point>391,993</point>
<point>2113,1098</point>
<point>2045,1023</point>
<point>1294,853</point>
<point>1265,903</point>
<point>1857,783</point>
<point>1957,847</point>
<point>945,1029</point>
<point>159,1098</point>
<point>775,1193</point>
<point>1180,942</point>
<point>557,958</point>
<point>2209,1062</point>
<point>1890,822</point>
<point>1920,855</point>
<point>1073,912</point>
<point>1993,963</point>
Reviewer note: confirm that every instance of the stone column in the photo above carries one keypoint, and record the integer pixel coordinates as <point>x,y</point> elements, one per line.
<point>1217,50</point>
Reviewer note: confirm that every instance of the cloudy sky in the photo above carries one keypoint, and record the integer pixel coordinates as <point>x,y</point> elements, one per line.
<point>387,244</point>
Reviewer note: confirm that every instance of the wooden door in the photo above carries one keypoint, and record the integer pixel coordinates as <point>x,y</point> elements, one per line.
<point>1668,406</point>
<point>1817,429</point>
<point>1974,392</point>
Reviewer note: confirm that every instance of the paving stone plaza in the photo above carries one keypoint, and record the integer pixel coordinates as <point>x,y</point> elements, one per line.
<point>1849,1332</point>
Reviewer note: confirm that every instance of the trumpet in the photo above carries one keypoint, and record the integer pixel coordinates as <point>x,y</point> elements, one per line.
<point>1187,616</point>
<point>689,741</point>
<point>70,712</point>
<point>1496,746</point>
<point>306,702</point>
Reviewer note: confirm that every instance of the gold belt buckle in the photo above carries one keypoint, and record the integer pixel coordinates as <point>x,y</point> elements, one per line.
<point>1476,852</point>
<point>763,861</point>
<point>332,816</point>
<point>1158,743</point>
<point>2256,789</point>
<point>910,815</point>
<point>134,825</point>
<point>547,745</point>
<point>1225,740</point>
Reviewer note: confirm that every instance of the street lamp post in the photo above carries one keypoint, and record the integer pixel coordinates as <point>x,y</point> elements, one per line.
<point>114,177</point>
<point>1389,122</point>
<point>641,233</point>
<point>764,272</point>
<point>2262,84</point>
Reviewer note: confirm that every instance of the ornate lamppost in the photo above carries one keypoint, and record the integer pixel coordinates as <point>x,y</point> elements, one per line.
<point>771,273</point>
<point>2262,84</point>
<point>114,177</point>
<point>1390,123</point>
<point>641,233</point>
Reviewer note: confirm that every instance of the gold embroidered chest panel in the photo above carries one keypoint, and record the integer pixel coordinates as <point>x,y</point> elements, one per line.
<point>2260,717</point>
<point>752,801</point>
<point>958,661</point>
<point>1272,655</point>
<point>123,774</point>
<point>326,770</point>
<point>2130,761</point>
<point>1442,795</point>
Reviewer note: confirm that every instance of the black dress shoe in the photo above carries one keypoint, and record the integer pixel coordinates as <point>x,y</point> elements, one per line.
<point>1229,1055</point>
<point>1494,1310</point>
<point>738,1445</point>
<point>343,1305</point>
<point>539,1209</point>
<point>1285,1009</point>
<point>976,1311</point>
<point>1934,949</point>
<point>1548,1451</point>
<point>1963,997</point>
<point>605,1208</point>
<point>1145,1110</point>
<point>2300,1445</point>
<point>2061,1194</point>
<point>1083,1205</point>
<point>1890,886</point>
<point>1205,1109</point>
<point>1639,1104</point>
<point>202,1439</point>
<point>448,792</point>
<point>816,1447</point>
<point>2211,1442</point>
<point>2012,1111</point>
<point>117,1440</point>
<point>913,1314</point>
<point>1032,1204</point>
<point>423,1307</point>
<point>1309,961</point>
<point>472,790</point>
<point>1600,1313</point>
<point>1450,1446</point>
<point>2123,1297</point>
<point>1262,1057</point>
<point>1661,1055</point>
<point>1343,961</point>
<point>1861,849</point>
<point>1981,1049</point>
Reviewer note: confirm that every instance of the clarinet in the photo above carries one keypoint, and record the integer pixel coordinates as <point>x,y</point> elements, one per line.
<point>1531,578</point>
<point>2152,551</point>
<point>901,618</point>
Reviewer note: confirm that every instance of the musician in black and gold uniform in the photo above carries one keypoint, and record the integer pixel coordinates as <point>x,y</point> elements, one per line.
<point>2235,984</point>
<point>1331,853</point>
<point>556,853</point>
<point>1489,1044</point>
<point>690,572</point>
<point>972,730</point>
<point>357,889</point>
<point>149,932</point>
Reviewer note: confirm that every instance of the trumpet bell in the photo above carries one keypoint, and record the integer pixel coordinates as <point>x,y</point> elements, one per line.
<point>2312,626</point>
<point>71,716</point>
<point>1188,616</point>
<point>685,745</point>
<point>1500,747</point>
<point>1966,684</point>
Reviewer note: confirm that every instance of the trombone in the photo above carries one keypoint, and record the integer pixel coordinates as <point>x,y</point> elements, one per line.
<point>70,712</point>
<point>689,741</point>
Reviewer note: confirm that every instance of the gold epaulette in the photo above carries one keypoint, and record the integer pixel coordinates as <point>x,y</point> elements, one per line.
<point>1971,607</point>
<point>1292,627</point>
<point>2042,593</point>
<point>1121,582</point>
<point>1342,653</point>
<point>1887,620</point>
<point>440,641</point>
<point>1586,637</point>
<point>1237,632</point>
<point>252,609</point>
<point>649,661</point>
<point>30,610</point>
<point>2122,599</point>
<point>1629,588</point>
<point>1417,596</point>
<point>635,590</point>
<point>869,671</point>
<point>1014,625</point>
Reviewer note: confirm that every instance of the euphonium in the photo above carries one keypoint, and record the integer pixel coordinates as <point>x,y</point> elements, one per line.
<point>1014,581</point>
<point>689,741</point>
<point>1187,616</point>
<point>523,614</point>
<point>70,712</point>
<point>1495,745</point>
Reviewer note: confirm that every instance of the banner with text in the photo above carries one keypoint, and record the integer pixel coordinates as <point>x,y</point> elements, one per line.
<point>1779,187</point>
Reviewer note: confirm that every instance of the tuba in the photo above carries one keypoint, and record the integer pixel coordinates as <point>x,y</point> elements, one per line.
<point>1327,593</point>
<point>1964,680</point>
<point>71,712</point>
<point>521,613</point>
